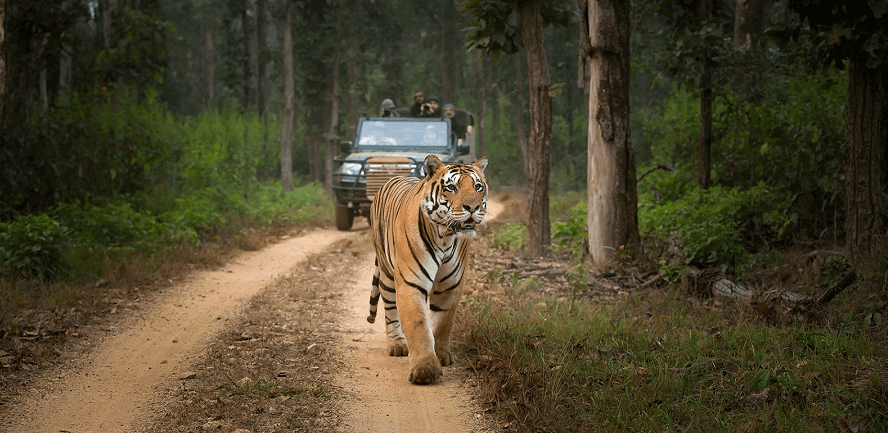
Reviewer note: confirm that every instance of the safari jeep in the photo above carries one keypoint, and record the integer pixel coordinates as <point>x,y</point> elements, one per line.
<point>385,147</point>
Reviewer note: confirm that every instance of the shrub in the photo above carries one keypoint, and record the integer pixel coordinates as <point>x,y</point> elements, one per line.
<point>510,237</point>
<point>33,245</point>
<point>110,222</point>
<point>568,236</point>
<point>712,226</point>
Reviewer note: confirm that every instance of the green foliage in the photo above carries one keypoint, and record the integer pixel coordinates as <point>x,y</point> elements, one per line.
<point>568,235</point>
<point>109,223</point>
<point>712,226</point>
<point>510,237</point>
<point>33,245</point>
<point>88,147</point>
<point>772,134</point>
<point>138,55</point>
<point>494,30</point>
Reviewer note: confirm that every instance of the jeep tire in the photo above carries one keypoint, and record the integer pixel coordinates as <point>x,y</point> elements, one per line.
<point>345,217</point>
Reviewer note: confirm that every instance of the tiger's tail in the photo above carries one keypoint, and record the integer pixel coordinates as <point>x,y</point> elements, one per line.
<point>374,294</point>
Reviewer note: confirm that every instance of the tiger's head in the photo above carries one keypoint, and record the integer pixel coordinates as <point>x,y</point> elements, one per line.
<point>455,195</point>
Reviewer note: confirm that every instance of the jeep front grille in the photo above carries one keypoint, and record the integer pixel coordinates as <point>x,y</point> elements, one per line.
<point>380,170</point>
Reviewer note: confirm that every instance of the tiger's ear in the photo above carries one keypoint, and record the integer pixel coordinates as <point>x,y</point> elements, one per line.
<point>481,163</point>
<point>431,165</point>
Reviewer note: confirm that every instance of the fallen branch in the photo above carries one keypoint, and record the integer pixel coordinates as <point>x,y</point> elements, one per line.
<point>831,293</point>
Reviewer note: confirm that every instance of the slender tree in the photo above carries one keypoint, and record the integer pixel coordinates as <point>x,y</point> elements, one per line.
<point>531,29</point>
<point>3,92</point>
<point>286,30</point>
<point>448,63</point>
<point>521,103</point>
<point>495,32</point>
<point>704,145</point>
<point>208,27</point>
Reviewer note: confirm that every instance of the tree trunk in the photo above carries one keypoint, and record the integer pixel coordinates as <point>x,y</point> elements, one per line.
<point>261,82</point>
<point>748,21</point>
<point>107,16</point>
<point>245,92</point>
<point>448,76</point>
<point>209,21</point>
<point>332,135</point>
<point>519,117</point>
<point>482,107</point>
<point>260,57</point>
<point>866,160</point>
<point>289,100</point>
<point>612,219</point>
<point>531,30</point>
<point>704,147</point>
<point>353,70</point>
<point>3,91</point>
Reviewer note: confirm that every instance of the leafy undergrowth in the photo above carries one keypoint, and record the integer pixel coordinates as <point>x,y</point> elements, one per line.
<point>554,353</point>
<point>43,322</point>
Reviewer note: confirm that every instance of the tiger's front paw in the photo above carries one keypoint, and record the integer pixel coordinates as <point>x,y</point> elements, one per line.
<point>426,371</point>
<point>398,348</point>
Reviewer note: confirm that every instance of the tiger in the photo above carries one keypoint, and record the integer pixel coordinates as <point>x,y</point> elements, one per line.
<point>421,230</point>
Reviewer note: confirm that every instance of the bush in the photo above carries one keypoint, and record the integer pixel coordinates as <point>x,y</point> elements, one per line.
<point>510,237</point>
<point>110,222</point>
<point>713,226</point>
<point>568,236</point>
<point>34,246</point>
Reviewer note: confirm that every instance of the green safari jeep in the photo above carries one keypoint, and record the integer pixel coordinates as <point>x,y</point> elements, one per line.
<point>385,147</point>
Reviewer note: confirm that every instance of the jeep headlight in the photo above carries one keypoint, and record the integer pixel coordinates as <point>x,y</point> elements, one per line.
<point>350,168</point>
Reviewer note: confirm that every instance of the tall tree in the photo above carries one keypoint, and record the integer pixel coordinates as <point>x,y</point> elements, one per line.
<point>286,31</point>
<point>521,103</point>
<point>704,146</point>
<point>208,27</point>
<point>748,21</point>
<point>2,56</point>
<point>531,29</point>
<point>612,198</point>
<point>480,65</point>
<point>448,42</point>
<point>857,32</point>
<point>495,33</point>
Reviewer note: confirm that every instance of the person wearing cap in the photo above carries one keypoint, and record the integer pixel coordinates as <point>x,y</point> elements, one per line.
<point>387,109</point>
<point>418,100</point>
<point>430,108</point>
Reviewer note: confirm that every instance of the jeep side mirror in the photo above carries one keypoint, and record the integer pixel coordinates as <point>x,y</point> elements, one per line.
<point>346,146</point>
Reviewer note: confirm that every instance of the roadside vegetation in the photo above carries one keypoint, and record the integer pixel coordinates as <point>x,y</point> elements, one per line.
<point>189,193</point>
<point>659,354</point>
<point>663,357</point>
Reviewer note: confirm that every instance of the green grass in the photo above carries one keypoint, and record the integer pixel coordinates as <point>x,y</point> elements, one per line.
<point>659,365</point>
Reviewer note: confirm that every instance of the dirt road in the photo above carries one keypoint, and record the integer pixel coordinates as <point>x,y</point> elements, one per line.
<point>161,370</point>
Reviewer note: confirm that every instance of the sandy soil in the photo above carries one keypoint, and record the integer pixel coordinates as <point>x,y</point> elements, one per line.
<point>275,341</point>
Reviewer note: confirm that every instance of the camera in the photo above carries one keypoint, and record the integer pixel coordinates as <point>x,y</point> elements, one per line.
<point>426,109</point>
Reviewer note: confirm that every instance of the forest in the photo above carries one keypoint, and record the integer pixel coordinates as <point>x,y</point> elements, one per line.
<point>721,140</point>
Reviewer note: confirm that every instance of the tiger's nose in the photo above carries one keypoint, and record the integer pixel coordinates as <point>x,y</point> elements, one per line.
<point>469,208</point>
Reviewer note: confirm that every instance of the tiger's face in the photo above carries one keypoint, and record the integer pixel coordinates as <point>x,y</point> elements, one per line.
<point>456,195</point>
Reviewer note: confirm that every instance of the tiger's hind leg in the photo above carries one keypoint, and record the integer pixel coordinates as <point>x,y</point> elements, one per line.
<point>385,287</point>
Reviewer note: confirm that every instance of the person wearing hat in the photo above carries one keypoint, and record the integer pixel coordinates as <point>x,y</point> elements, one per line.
<point>387,109</point>
<point>430,108</point>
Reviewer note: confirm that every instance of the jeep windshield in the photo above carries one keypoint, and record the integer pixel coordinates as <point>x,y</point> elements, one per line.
<point>429,134</point>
